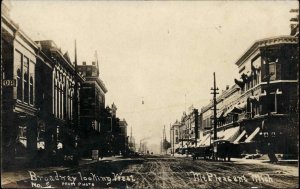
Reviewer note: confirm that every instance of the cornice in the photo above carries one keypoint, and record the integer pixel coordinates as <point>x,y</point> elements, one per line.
<point>265,43</point>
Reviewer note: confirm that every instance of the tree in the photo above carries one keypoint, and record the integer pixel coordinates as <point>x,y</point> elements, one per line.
<point>166,144</point>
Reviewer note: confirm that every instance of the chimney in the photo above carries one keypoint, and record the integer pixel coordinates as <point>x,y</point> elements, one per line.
<point>84,63</point>
<point>94,63</point>
<point>227,87</point>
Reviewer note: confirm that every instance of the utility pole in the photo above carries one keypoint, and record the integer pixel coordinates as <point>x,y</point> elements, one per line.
<point>215,89</point>
<point>196,118</point>
<point>164,138</point>
<point>75,102</point>
<point>173,142</point>
<point>171,138</point>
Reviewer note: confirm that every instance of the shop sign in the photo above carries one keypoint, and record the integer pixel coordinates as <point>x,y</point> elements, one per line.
<point>9,83</point>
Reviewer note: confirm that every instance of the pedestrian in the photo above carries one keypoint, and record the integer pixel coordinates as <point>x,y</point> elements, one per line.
<point>271,153</point>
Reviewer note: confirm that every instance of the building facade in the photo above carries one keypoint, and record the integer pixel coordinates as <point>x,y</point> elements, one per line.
<point>175,138</point>
<point>56,101</point>
<point>38,110</point>
<point>260,110</point>
<point>92,105</point>
<point>19,112</point>
<point>51,109</point>
<point>122,138</point>
<point>186,132</point>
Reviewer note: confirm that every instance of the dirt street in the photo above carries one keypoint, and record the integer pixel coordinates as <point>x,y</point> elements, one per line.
<point>169,172</point>
<point>166,172</point>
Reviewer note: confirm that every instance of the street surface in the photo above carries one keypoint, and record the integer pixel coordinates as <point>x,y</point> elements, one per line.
<point>169,172</point>
<point>186,173</point>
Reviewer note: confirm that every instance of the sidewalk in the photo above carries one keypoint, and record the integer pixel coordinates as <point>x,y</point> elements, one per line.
<point>14,176</point>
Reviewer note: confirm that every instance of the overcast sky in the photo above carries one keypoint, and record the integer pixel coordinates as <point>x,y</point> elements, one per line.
<point>162,53</point>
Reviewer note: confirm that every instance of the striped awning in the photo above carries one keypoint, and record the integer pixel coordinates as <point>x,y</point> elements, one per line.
<point>220,114</point>
<point>220,134</point>
<point>231,134</point>
<point>203,141</point>
<point>251,137</point>
<point>237,140</point>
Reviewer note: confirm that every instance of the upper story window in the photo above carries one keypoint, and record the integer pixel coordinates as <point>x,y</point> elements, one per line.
<point>19,84</point>
<point>88,71</point>
<point>31,89</point>
<point>270,63</point>
<point>272,71</point>
<point>26,88</point>
<point>18,66</point>
<point>23,69</point>
<point>26,79</point>
<point>94,73</point>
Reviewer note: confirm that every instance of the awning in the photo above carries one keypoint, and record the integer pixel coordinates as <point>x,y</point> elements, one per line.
<point>241,106</point>
<point>207,142</point>
<point>228,112</point>
<point>238,108</point>
<point>239,137</point>
<point>204,140</point>
<point>176,146</point>
<point>220,134</point>
<point>220,114</point>
<point>231,134</point>
<point>239,83</point>
<point>254,98</point>
<point>251,137</point>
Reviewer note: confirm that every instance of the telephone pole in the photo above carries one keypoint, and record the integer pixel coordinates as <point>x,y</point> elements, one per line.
<point>75,112</point>
<point>76,128</point>
<point>214,92</point>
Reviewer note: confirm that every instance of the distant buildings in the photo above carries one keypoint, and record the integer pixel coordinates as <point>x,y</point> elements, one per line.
<point>176,134</point>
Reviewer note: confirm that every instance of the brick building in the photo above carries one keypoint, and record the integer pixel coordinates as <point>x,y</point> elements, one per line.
<point>19,112</point>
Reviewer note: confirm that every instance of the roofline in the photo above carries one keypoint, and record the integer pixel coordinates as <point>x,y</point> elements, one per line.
<point>99,81</point>
<point>285,39</point>
<point>16,29</point>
